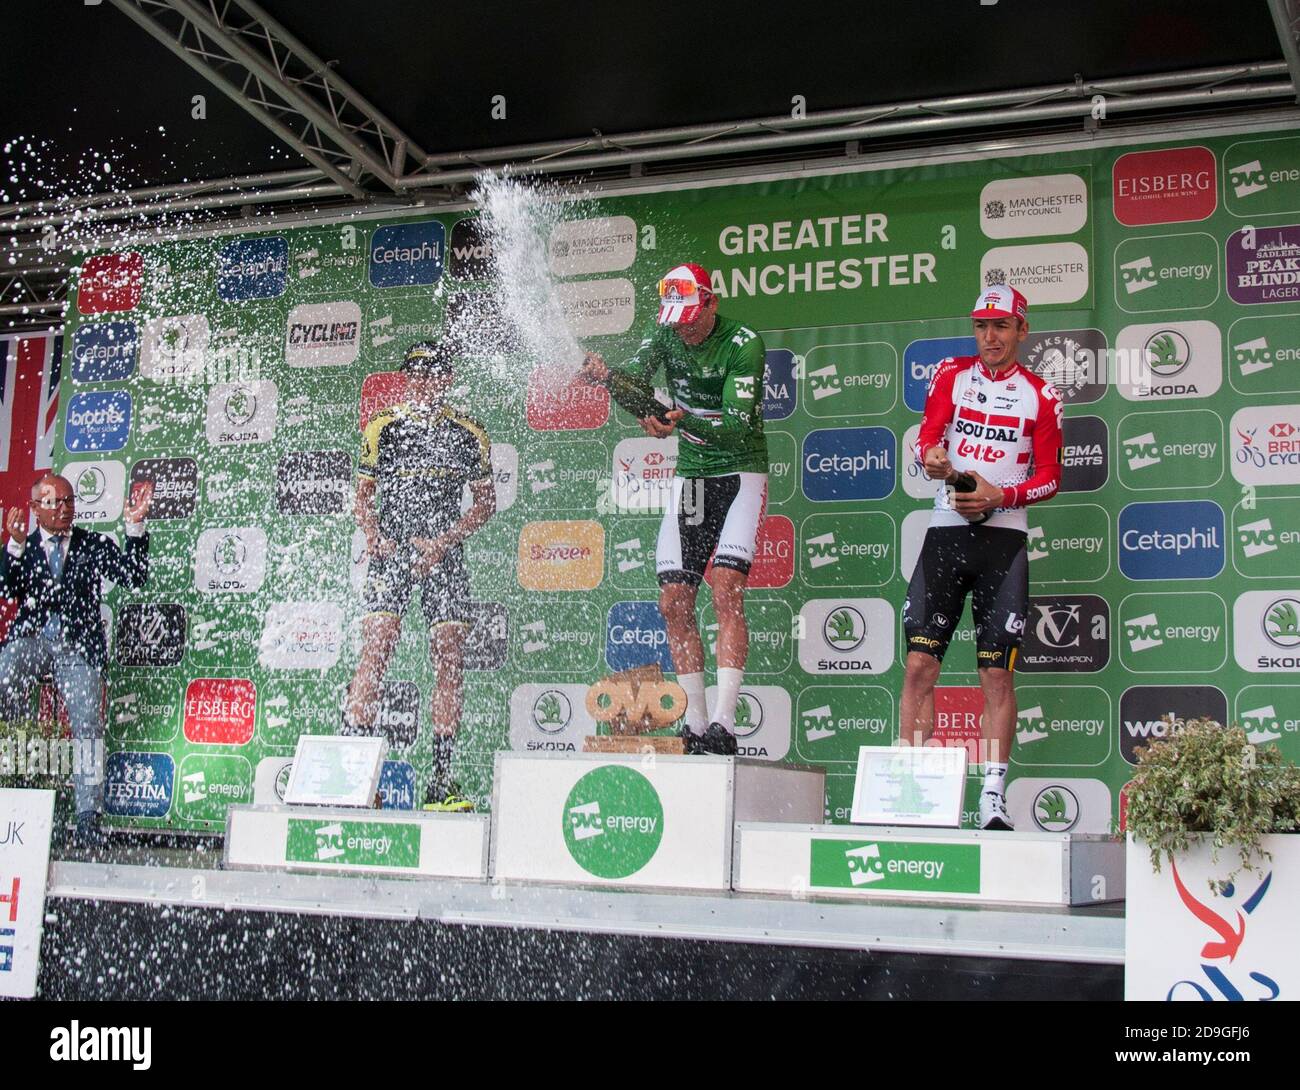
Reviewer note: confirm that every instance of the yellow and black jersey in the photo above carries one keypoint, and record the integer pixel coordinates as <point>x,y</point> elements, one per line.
<point>421,459</point>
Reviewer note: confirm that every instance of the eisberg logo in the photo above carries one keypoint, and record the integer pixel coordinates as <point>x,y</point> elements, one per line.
<point>252,268</point>
<point>98,420</point>
<point>220,711</point>
<point>407,254</point>
<point>1172,185</point>
<point>1178,540</point>
<point>105,351</point>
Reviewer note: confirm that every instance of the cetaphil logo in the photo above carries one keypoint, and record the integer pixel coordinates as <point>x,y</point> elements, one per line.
<point>552,711</point>
<point>1056,809</point>
<point>301,636</point>
<point>635,635</point>
<point>1252,357</point>
<point>397,786</point>
<point>105,351</point>
<point>139,784</point>
<point>323,334</point>
<point>220,711</point>
<point>567,555</point>
<point>314,482</point>
<point>613,822</point>
<point>252,268</point>
<point>848,464</point>
<point>1177,540</point>
<point>230,560</point>
<point>1247,179</point>
<point>99,487</point>
<point>150,634</point>
<point>175,486</point>
<point>404,255</point>
<point>241,412</point>
<point>110,283</point>
<point>1138,275</point>
<point>98,420</point>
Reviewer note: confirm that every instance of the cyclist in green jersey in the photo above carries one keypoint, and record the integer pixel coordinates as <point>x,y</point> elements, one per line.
<point>417,457</point>
<point>714,367</point>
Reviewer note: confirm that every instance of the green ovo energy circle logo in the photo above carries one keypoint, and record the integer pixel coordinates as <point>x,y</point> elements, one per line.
<point>613,821</point>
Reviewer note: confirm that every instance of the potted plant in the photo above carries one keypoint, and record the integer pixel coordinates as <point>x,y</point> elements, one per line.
<point>1205,782</point>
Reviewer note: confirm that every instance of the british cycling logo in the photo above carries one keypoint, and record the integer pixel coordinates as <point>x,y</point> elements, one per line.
<point>1229,938</point>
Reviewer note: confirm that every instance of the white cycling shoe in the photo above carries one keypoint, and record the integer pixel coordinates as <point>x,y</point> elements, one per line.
<point>993,812</point>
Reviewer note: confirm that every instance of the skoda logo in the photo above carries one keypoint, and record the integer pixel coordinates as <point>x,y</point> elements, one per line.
<point>229,553</point>
<point>173,336</point>
<point>1282,622</point>
<point>91,485</point>
<point>1167,352</point>
<point>844,629</point>
<point>241,406</point>
<point>749,714</point>
<point>1056,809</point>
<point>552,712</point>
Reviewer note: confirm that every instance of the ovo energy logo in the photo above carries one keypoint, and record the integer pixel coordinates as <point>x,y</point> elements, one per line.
<point>1247,179</point>
<point>613,822</point>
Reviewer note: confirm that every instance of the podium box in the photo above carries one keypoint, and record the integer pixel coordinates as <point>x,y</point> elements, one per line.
<point>357,841</point>
<point>896,863</point>
<point>643,820</point>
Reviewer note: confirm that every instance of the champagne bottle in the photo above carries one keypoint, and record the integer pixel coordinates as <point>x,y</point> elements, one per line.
<point>635,395</point>
<point>964,482</point>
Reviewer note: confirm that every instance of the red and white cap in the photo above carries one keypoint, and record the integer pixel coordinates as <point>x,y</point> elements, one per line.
<point>1000,301</point>
<point>679,293</point>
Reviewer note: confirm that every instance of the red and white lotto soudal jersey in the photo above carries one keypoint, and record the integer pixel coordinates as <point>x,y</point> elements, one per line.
<point>1006,428</point>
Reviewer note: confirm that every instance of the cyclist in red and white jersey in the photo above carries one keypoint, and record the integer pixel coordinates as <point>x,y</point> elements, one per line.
<point>992,432</point>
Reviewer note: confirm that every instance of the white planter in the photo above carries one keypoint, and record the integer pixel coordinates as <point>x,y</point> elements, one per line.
<point>1196,945</point>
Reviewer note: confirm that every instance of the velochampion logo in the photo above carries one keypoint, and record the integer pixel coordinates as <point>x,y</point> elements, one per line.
<point>613,821</point>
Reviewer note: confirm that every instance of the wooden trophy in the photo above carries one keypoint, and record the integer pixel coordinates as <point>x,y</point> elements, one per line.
<point>630,703</point>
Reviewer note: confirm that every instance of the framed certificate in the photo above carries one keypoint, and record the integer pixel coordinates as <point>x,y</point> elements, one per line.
<point>335,770</point>
<point>909,785</point>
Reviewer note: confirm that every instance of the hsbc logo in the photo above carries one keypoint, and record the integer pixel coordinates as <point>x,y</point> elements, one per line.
<point>1247,179</point>
<point>1138,275</point>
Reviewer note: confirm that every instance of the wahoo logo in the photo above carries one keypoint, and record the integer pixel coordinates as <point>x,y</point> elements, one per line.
<point>1261,725</point>
<point>541,476</point>
<point>1142,451</point>
<point>1138,275</point>
<point>1251,357</point>
<point>534,637</point>
<point>865,865</point>
<point>1031,725</point>
<point>1257,538</point>
<point>629,555</point>
<point>1036,543</point>
<point>745,387</point>
<point>1143,633</point>
<point>585,821</point>
<point>818,723</point>
<point>1247,179</point>
<point>824,382</point>
<point>329,842</point>
<point>821,551</point>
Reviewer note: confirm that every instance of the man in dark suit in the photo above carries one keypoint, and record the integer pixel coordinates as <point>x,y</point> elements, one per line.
<point>56,575</point>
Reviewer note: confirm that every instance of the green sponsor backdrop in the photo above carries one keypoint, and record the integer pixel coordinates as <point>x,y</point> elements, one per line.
<point>859,283</point>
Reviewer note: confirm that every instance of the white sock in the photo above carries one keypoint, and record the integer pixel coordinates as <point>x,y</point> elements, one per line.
<point>995,776</point>
<point>697,716</point>
<point>729,679</point>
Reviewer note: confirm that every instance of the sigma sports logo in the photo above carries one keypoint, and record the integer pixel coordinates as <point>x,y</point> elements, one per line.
<point>1084,454</point>
<point>398,714</point>
<point>105,351</point>
<point>252,268</point>
<point>301,636</point>
<point>1178,540</point>
<point>1148,713</point>
<point>407,254</point>
<point>100,488</point>
<point>150,635</point>
<point>921,360</point>
<point>323,335</point>
<point>1173,185</point>
<point>1247,179</point>
<point>471,250</point>
<point>220,711</point>
<point>314,482</point>
<point>1068,633</point>
<point>397,786</point>
<point>1138,275</point>
<point>851,636</point>
<point>849,463</point>
<point>241,412</point>
<point>230,560</point>
<point>139,784</point>
<point>1266,445</point>
<point>780,392</point>
<point>110,283</point>
<point>175,486</point>
<point>98,420</point>
<point>635,635</point>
